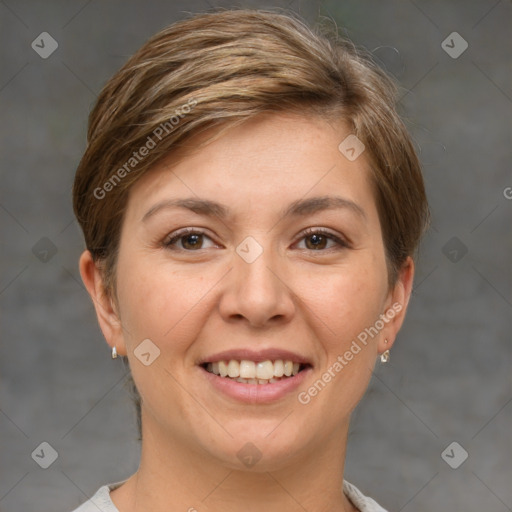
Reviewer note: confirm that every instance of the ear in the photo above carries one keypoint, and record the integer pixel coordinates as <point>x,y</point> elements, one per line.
<point>396,304</point>
<point>106,313</point>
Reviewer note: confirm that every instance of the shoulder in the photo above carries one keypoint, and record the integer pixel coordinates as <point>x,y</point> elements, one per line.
<point>101,500</point>
<point>359,500</point>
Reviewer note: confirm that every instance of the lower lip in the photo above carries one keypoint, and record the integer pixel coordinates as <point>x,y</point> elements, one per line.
<point>256,393</point>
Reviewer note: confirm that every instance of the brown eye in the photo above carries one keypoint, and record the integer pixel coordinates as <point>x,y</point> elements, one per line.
<point>316,241</point>
<point>192,241</point>
<point>188,240</point>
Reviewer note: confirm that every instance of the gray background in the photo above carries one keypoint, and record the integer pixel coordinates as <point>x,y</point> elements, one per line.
<point>449,378</point>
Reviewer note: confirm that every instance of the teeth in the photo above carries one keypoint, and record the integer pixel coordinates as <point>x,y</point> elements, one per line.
<point>233,369</point>
<point>265,370</point>
<point>223,369</point>
<point>250,372</point>
<point>247,369</point>
<point>279,368</point>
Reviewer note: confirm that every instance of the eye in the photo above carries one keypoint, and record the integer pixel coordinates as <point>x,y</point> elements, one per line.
<point>318,239</point>
<point>188,239</point>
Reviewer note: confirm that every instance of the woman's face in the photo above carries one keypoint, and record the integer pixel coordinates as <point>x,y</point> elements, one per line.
<point>263,246</point>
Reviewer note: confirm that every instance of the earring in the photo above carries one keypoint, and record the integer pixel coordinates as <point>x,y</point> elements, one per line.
<point>384,357</point>
<point>114,352</point>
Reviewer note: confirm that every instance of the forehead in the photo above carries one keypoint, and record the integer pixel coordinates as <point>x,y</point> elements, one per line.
<point>267,161</point>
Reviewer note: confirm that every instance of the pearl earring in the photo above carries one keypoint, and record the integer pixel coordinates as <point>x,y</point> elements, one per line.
<point>114,352</point>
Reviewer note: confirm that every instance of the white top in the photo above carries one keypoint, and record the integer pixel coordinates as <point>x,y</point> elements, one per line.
<point>101,501</point>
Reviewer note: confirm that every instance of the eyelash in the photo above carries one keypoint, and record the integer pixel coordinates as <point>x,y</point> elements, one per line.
<point>169,242</point>
<point>343,244</point>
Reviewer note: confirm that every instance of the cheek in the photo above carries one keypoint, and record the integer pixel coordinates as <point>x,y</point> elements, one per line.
<point>167,307</point>
<point>344,314</point>
<point>345,301</point>
<point>160,303</point>
<point>355,309</point>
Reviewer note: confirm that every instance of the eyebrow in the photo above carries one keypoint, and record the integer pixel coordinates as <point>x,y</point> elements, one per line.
<point>300,207</point>
<point>315,204</point>
<point>200,206</point>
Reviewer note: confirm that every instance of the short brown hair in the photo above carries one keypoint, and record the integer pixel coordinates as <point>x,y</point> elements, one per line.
<point>219,69</point>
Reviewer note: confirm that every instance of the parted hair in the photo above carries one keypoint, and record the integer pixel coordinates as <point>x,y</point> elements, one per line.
<point>220,69</point>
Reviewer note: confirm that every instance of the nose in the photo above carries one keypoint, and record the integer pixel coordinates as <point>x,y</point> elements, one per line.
<point>257,293</point>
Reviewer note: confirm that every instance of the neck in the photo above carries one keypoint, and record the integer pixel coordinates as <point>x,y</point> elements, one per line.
<point>175,477</point>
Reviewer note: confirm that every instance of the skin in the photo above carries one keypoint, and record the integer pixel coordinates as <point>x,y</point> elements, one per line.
<point>196,302</point>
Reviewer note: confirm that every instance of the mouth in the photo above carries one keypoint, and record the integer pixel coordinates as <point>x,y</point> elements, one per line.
<point>255,377</point>
<point>246,371</point>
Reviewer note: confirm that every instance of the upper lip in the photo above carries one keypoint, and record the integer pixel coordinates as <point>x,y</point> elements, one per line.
<point>271,354</point>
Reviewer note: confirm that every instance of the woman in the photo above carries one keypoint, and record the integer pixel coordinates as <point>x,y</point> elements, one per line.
<point>251,205</point>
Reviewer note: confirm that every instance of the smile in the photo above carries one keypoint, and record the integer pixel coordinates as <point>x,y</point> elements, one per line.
<point>252,372</point>
<point>255,376</point>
